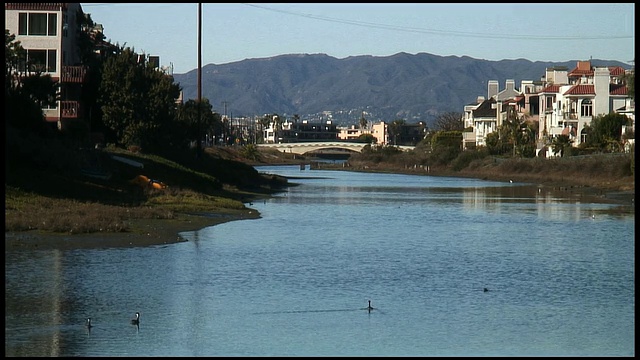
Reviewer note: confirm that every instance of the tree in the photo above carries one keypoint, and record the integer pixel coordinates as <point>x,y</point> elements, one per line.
<point>26,93</point>
<point>363,121</point>
<point>560,144</point>
<point>605,132</point>
<point>187,120</point>
<point>449,121</point>
<point>138,102</point>
<point>446,145</point>
<point>367,138</point>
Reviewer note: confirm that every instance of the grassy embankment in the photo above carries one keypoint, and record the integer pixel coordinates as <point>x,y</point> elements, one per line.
<point>200,192</point>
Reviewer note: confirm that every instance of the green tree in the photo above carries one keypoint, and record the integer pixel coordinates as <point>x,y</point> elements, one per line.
<point>605,132</point>
<point>560,144</point>
<point>138,102</point>
<point>188,126</point>
<point>367,138</point>
<point>446,145</point>
<point>250,152</point>
<point>26,93</point>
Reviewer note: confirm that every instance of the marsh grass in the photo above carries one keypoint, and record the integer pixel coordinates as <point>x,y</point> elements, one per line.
<point>45,200</point>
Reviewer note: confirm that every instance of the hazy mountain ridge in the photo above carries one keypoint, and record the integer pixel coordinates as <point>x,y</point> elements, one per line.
<point>412,87</point>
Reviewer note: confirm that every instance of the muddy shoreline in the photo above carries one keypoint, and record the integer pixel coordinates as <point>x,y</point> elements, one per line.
<point>146,232</point>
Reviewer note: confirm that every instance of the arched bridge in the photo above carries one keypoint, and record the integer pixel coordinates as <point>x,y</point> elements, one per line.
<point>306,147</point>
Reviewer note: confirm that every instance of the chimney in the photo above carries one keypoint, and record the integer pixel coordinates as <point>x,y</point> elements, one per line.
<point>492,88</point>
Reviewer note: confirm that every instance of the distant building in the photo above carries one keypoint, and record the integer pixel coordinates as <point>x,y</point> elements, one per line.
<point>380,131</point>
<point>300,131</point>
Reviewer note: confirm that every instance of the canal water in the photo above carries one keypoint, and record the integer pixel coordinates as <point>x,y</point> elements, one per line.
<point>559,274</point>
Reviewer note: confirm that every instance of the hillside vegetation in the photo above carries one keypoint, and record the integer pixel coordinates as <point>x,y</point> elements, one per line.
<point>414,87</point>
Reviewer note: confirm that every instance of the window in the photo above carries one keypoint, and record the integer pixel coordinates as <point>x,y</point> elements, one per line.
<point>586,109</point>
<point>53,25</point>
<point>38,24</point>
<point>22,24</point>
<point>42,60</point>
<point>549,104</point>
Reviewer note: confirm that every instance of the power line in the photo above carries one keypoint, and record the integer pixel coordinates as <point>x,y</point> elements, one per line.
<point>443,32</point>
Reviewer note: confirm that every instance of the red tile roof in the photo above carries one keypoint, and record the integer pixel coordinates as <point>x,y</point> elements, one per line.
<point>581,90</point>
<point>551,89</point>
<point>616,70</point>
<point>614,89</point>
<point>618,89</point>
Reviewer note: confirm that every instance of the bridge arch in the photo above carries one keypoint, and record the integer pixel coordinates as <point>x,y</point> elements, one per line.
<point>301,148</point>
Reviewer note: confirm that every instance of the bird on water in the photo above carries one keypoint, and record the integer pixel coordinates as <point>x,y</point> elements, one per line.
<point>136,321</point>
<point>88,324</point>
<point>369,308</point>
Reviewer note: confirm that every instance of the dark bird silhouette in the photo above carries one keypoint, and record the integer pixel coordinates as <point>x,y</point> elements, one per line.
<point>88,324</point>
<point>136,321</point>
<point>369,308</point>
<point>485,289</point>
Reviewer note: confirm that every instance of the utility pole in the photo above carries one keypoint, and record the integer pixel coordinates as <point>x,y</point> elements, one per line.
<point>199,145</point>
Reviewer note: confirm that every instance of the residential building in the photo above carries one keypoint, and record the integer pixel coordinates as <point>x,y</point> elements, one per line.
<point>380,131</point>
<point>305,130</point>
<point>563,103</point>
<point>568,108</point>
<point>49,34</point>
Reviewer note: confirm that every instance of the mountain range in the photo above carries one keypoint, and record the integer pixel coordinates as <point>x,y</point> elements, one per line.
<point>413,87</point>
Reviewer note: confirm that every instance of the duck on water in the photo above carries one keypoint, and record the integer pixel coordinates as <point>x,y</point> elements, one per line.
<point>136,320</point>
<point>369,308</point>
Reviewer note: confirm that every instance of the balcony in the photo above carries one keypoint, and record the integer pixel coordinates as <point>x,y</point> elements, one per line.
<point>570,116</point>
<point>69,109</point>
<point>73,74</point>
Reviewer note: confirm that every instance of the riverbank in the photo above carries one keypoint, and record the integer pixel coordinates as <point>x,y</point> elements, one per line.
<point>161,231</point>
<point>145,232</point>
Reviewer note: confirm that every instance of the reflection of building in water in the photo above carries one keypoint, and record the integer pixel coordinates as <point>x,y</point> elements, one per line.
<point>57,294</point>
<point>546,204</point>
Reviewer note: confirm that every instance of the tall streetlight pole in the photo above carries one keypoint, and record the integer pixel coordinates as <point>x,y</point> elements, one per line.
<point>199,145</point>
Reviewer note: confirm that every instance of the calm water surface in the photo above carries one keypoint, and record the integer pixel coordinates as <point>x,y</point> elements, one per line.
<point>297,281</point>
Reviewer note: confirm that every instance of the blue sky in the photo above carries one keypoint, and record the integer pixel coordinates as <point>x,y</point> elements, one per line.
<point>236,31</point>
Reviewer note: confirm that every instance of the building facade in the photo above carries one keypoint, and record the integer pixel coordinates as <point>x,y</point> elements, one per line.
<point>49,34</point>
